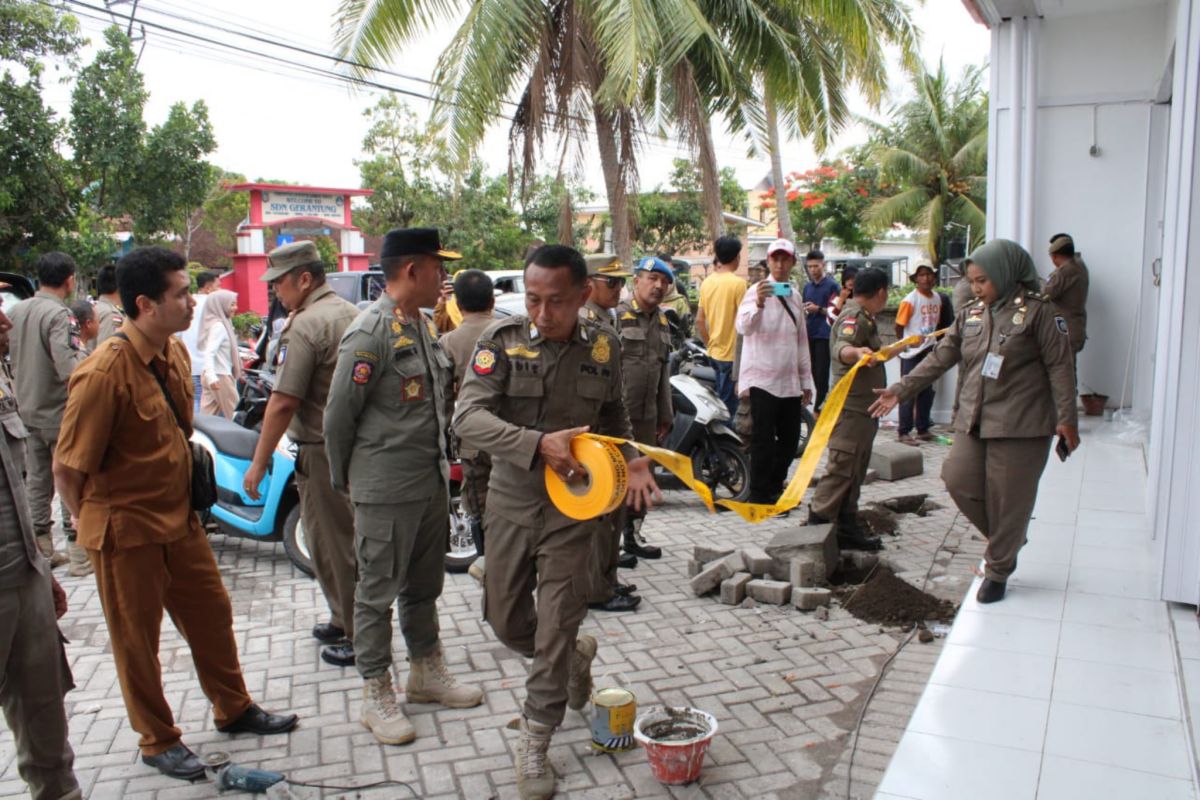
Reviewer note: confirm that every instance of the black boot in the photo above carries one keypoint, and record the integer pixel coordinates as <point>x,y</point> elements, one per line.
<point>851,536</point>
<point>477,534</point>
<point>636,544</point>
<point>618,602</point>
<point>990,591</point>
<point>626,561</point>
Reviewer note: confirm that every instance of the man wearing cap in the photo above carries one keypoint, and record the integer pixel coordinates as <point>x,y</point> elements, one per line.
<point>645,349</point>
<point>536,382</point>
<point>304,363</point>
<point>607,277</point>
<point>385,432</point>
<point>818,296</point>
<point>1067,288</point>
<point>775,374</point>
<point>475,295</point>
<point>45,348</point>
<point>921,312</point>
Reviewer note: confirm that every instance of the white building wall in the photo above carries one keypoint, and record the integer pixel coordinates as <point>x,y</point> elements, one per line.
<point>1095,79</point>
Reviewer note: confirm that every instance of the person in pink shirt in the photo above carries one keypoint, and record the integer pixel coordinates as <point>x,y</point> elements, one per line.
<point>776,373</point>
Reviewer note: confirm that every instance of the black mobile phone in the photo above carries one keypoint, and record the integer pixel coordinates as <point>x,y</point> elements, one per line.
<point>1062,449</point>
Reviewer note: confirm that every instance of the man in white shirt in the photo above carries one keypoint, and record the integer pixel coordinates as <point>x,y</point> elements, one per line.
<point>207,282</point>
<point>776,372</point>
<point>921,312</point>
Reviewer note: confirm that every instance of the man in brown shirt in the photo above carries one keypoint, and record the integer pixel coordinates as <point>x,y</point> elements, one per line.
<point>304,362</point>
<point>475,294</point>
<point>123,467</point>
<point>1067,288</point>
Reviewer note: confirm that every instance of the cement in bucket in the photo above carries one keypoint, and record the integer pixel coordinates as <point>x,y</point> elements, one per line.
<point>675,740</point>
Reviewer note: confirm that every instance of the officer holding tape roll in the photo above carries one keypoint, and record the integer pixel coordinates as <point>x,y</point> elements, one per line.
<point>535,383</point>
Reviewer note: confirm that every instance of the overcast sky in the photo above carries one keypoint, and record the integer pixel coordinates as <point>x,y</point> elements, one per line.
<point>273,120</point>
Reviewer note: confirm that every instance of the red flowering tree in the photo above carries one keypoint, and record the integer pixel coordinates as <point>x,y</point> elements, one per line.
<point>828,201</point>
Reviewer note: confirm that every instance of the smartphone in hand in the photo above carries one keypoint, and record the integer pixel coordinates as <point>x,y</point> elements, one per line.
<point>1062,449</point>
<point>783,289</point>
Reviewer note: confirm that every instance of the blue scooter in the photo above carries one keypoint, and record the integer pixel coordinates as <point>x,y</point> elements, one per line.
<point>276,515</point>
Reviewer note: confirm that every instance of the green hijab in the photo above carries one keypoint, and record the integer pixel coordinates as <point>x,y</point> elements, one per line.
<point>1008,267</point>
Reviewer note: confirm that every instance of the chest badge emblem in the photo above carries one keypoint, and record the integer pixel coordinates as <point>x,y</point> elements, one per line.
<point>601,352</point>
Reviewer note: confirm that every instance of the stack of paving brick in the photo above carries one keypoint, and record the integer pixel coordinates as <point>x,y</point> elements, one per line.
<point>790,569</point>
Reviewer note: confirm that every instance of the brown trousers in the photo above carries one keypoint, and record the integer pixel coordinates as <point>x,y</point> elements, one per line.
<point>34,676</point>
<point>994,483</point>
<point>477,471</point>
<point>522,560</point>
<point>607,549</point>
<point>328,519</point>
<point>135,585</point>
<point>849,457</point>
<point>223,400</point>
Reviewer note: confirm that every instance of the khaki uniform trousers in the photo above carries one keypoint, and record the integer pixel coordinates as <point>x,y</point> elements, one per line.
<point>521,560</point>
<point>39,482</point>
<point>994,484</point>
<point>401,551</point>
<point>223,400</point>
<point>34,676</point>
<point>329,530</point>
<point>849,457</point>
<point>135,585</point>
<point>606,550</point>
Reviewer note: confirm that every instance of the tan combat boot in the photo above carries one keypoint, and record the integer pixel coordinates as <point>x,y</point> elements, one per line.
<point>579,679</point>
<point>535,774</point>
<point>381,713</point>
<point>81,565</point>
<point>45,543</point>
<point>429,681</point>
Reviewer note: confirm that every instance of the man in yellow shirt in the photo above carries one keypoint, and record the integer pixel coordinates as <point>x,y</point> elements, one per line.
<point>720,295</point>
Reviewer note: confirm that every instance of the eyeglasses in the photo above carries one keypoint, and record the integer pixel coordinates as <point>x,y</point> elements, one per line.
<point>612,283</point>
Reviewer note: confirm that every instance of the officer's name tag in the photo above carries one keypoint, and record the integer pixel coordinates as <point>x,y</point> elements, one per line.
<point>991,366</point>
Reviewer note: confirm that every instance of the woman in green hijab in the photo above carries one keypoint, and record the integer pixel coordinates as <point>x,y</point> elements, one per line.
<point>1016,390</point>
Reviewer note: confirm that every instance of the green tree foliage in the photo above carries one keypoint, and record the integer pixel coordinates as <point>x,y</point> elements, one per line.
<point>542,209</point>
<point>37,195</point>
<point>329,252</point>
<point>403,162</point>
<point>174,179</point>
<point>107,128</point>
<point>829,201</point>
<point>934,149</point>
<point>672,220</point>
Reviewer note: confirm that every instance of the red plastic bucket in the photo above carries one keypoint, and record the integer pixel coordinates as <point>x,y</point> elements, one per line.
<point>675,740</point>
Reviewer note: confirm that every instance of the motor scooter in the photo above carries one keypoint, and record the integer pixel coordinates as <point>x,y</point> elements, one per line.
<point>275,516</point>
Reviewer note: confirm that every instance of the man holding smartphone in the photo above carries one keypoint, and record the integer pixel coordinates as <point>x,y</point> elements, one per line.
<point>776,373</point>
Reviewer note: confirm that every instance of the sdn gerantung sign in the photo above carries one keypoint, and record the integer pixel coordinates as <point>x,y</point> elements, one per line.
<point>278,206</point>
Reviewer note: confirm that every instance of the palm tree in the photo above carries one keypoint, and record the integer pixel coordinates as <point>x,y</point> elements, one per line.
<point>934,150</point>
<point>574,64</point>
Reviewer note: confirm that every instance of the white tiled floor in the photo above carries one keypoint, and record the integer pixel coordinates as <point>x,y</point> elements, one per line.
<point>1070,687</point>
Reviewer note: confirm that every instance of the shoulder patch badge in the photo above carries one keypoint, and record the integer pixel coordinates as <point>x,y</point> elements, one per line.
<point>362,372</point>
<point>601,350</point>
<point>1061,324</point>
<point>485,360</point>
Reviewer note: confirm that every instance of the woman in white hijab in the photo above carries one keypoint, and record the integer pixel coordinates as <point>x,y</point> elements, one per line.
<point>218,347</point>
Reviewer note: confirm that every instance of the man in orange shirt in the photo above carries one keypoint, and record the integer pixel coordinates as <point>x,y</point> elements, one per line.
<point>123,467</point>
<point>720,295</point>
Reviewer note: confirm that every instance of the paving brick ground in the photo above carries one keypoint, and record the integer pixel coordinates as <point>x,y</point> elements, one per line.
<point>786,687</point>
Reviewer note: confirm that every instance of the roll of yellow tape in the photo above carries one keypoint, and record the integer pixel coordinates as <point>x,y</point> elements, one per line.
<point>604,484</point>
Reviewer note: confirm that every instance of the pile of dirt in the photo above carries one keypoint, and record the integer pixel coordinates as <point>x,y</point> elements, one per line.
<point>879,521</point>
<point>889,600</point>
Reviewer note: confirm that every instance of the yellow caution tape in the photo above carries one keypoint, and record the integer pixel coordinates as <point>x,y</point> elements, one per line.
<point>680,465</point>
<point>604,482</point>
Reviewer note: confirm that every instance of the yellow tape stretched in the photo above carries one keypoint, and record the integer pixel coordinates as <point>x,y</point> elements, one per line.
<point>681,466</point>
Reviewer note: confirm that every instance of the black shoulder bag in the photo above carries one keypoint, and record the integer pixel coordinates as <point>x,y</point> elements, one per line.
<point>204,479</point>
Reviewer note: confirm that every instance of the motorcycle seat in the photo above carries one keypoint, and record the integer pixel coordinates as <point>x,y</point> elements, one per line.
<point>228,437</point>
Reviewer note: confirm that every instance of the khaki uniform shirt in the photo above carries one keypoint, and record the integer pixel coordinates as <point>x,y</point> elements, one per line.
<point>19,555</point>
<point>854,327</point>
<point>604,317</point>
<point>120,432</point>
<point>110,317</point>
<point>645,349</point>
<point>459,344</point>
<point>519,386</point>
<point>1034,388</point>
<point>1067,288</point>
<point>45,348</point>
<point>10,417</point>
<point>386,416</point>
<point>306,357</point>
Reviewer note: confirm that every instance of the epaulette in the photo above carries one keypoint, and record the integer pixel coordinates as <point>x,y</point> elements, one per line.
<point>515,321</point>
